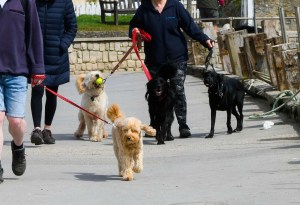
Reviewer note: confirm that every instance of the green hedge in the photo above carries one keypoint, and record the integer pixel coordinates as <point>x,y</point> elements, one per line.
<point>93,23</point>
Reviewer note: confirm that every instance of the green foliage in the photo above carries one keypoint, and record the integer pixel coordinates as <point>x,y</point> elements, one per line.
<point>93,23</point>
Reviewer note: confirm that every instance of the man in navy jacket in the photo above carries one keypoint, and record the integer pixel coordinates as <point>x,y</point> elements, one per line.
<point>164,20</point>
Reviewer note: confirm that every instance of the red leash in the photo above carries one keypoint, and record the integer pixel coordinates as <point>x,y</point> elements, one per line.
<point>72,103</point>
<point>137,36</point>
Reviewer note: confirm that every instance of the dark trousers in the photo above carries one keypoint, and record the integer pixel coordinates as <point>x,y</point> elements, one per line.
<point>37,104</point>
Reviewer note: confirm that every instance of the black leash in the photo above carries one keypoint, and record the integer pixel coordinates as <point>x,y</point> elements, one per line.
<point>208,60</point>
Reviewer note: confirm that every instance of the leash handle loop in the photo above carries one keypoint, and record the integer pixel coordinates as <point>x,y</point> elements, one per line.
<point>137,36</point>
<point>208,58</point>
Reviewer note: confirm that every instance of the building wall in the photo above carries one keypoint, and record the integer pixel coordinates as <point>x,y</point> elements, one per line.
<point>270,7</point>
<point>87,54</point>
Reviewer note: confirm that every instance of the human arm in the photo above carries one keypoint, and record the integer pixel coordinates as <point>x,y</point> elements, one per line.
<point>34,44</point>
<point>70,25</point>
<point>34,41</point>
<point>188,25</point>
<point>135,22</point>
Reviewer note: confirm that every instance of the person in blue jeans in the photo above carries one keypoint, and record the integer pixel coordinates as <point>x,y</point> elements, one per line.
<point>59,27</point>
<point>165,21</point>
<point>21,59</point>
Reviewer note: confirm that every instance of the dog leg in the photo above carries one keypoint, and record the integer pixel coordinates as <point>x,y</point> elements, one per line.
<point>229,128</point>
<point>93,131</point>
<point>213,113</point>
<point>127,171</point>
<point>240,108</point>
<point>105,134</point>
<point>238,120</point>
<point>81,127</point>
<point>159,137</point>
<point>169,126</point>
<point>138,162</point>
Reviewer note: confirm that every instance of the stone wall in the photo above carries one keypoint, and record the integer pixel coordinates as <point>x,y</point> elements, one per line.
<point>87,54</point>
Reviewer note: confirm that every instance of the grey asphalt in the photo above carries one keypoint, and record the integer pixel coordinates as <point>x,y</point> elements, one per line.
<point>253,167</point>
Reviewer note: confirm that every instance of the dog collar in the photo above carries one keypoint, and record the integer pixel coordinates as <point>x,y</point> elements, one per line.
<point>93,97</point>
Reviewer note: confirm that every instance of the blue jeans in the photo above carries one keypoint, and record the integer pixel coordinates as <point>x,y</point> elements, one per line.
<point>13,91</point>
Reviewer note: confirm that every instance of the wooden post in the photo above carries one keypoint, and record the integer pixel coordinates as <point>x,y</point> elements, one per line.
<point>223,50</point>
<point>234,41</point>
<point>271,28</point>
<point>269,42</point>
<point>286,64</point>
<point>270,63</point>
<point>243,62</point>
<point>255,55</point>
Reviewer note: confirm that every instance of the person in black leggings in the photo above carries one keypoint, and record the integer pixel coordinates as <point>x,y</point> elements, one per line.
<point>59,28</point>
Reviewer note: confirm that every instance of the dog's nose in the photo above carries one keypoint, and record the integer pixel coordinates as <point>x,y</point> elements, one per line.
<point>97,75</point>
<point>128,138</point>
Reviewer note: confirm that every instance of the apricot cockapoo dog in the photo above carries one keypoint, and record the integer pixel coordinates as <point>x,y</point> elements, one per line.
<point>95,100</point>
<point>128,141</point>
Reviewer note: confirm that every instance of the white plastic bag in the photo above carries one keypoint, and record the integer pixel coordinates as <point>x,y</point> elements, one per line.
<point>268,124</point>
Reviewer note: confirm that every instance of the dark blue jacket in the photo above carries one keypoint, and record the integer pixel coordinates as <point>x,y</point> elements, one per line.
<point>21,50</point>
<point>59,28</point>
<point>168,43</point>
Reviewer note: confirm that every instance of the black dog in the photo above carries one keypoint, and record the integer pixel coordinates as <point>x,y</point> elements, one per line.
<point>224,95</point>
<point>161,101</point>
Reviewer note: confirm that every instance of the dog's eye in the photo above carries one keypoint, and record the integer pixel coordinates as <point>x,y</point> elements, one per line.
<point>134,130</point>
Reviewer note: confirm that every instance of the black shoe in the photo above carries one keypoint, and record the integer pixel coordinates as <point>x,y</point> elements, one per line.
<point>18,159</point>
<point>184,131</point>
<point>1,176</point>
<point>47,137</point>
<point>37,137</point>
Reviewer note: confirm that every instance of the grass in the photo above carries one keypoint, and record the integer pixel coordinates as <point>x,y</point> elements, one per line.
<point>93,23</point>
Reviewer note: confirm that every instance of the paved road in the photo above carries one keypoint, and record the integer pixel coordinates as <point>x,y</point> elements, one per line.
<point>255,166</point>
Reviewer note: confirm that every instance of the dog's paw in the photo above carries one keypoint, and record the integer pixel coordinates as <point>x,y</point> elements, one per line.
<point>229,131</point>
<point>237,130</point>
<point>160,142</point>
<point>169,138</point>
<point>77,135</point>
<point>105,134</point>
<point>95,139</point>
<point>209,136</point>
<point>137,169</point>
<point>128,178</point>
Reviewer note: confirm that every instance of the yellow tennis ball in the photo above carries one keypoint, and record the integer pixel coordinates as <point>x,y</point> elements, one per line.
<point>99,81</point>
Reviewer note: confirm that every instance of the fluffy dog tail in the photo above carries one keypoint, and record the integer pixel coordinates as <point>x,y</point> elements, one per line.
<point>114,112</point>
<point>149,130</point>
<point>79,83</point>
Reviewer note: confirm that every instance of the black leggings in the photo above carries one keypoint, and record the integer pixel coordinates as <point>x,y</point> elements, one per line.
<point>37,103</point>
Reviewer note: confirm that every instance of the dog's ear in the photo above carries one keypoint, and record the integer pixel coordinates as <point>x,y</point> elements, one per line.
<point>148,130</point>
<point>167,71</point>
<point>79,83</point>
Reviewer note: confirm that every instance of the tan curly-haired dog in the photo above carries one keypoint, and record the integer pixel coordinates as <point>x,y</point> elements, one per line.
<point>128,141</point>
<point>95,100</point>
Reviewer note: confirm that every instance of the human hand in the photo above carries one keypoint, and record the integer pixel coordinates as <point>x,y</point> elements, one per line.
<point>210,43</point>
<point>37,79</point>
